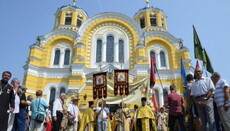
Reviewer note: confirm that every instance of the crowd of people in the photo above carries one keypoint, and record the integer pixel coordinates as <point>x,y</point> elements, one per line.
<point>206,108</point>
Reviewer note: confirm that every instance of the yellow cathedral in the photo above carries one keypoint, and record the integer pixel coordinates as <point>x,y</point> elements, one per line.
<point>64,60</point>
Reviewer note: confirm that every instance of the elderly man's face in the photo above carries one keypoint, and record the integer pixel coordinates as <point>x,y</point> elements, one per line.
<point>198,73</point>
<point>16,84</point>
<point>63,97</point>
<point>214,80</point>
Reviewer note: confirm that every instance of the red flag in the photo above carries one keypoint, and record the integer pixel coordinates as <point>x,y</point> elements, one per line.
<point>152,73</point>
<point>154,100</point>
<point>197,64</point>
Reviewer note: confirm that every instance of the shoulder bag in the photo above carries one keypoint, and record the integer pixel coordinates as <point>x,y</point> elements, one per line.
<point>40,117</point>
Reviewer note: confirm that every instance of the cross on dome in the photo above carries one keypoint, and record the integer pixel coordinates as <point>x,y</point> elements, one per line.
<point>147,3</point>
<point>74,2</point>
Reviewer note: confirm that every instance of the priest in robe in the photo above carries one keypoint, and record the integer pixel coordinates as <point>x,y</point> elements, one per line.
<point>6,100</point>
<point>88,118</point>
<point>145,117</point>
<point>123,118</point>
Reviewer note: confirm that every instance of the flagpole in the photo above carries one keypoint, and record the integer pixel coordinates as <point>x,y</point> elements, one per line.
<point>159,78</point>
<point>205,71</point>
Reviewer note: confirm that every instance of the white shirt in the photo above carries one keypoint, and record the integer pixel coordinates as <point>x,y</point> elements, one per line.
<point>74,110</point>
<point>57,106</point>
<point>48,112</point>
<point>202,86</point>
<point>219,92</point>
<point>102,114</point>
<point>17,103</point>
<point>29,112</point>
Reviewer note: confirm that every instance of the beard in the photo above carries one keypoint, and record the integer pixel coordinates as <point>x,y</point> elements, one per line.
<point>4,81</point>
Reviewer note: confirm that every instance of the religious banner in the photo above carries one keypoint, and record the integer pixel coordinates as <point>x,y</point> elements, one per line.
<point>121,82</point>
<point>99,85</point>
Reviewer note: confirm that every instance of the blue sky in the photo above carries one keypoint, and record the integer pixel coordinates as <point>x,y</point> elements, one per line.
<point>22,21</point>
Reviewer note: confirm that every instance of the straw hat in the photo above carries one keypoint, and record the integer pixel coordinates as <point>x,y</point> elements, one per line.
<point>74,98</point>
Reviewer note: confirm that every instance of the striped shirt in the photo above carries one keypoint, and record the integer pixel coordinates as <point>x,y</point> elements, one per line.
<point>202,86</point>
<point>219,92</point>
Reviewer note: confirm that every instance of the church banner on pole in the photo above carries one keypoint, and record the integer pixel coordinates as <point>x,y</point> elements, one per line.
<point>99,85</point>
<point>121,82</point>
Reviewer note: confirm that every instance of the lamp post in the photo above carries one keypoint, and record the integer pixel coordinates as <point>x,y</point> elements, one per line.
<point>85,96</point>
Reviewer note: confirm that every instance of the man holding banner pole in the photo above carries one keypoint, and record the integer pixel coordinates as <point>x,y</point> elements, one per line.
<point>103,115</point>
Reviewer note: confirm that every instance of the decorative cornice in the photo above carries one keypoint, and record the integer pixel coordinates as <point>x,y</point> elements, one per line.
<point>82,58</point>
<point>67,27</point>
<point>182,49</point>
<point>157,47</point>
<point>166,35</point>
<point>73,7</point>
<point>104,15</point>
<point>139,69</point>
<point>45,38</point>
<point>31,58</point>
<point>36,46</point>
<point>140,58</point>
<point>164,74</point>
<point>79,44</point>
<point>149,8</point>
<point>153,28</point>
<point>73,88</point>
<point>78,69</point>
<point>47,72</point>
<point>139,46</point>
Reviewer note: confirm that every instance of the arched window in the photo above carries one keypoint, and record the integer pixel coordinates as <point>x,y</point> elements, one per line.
<point>62,90</point>
<point>52,97</point>
<point>121,51</point>
<point>157,96</point>
<point>79,20</point>
<point>57,57</point>
<point>153,19</point>
<point>110,49</point>
<point>162,58</point>
<point>165,93</point>
<point>142,21</point>
<point>67,57</point>
<point>99,51</point>
<point>68,18</point>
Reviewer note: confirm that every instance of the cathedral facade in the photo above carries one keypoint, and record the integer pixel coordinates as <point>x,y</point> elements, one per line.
<point>64,60</point>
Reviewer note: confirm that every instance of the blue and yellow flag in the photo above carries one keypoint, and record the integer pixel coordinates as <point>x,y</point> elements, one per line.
<point>183,72</point>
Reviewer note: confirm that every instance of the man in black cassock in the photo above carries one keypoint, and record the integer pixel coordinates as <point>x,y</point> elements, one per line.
<point>6,100</point>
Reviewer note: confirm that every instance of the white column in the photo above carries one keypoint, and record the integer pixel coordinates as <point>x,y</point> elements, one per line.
<point>161,97</point>
<point>116,52</point>
<point>158,61</point>
<point>103,52</point>
<point>62,57</point>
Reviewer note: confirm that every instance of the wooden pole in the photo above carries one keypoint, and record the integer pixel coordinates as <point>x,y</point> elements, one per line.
<point>102,109</point>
